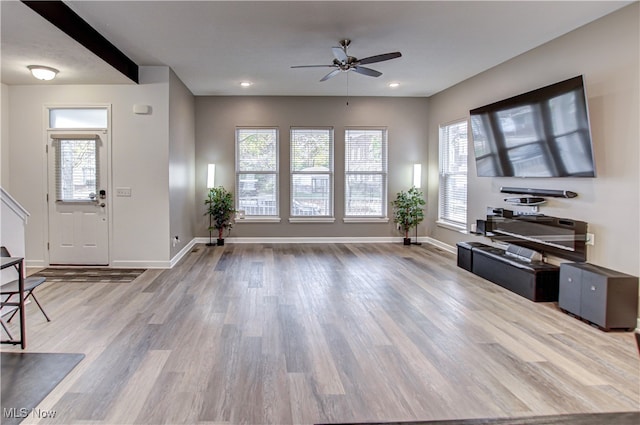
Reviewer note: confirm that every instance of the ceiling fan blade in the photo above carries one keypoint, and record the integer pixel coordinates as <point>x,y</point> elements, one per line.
<point>380,58</point>
<point>339,53</point>
<point>313,66</point>
<point>330,75</point>
<point>366,71</point>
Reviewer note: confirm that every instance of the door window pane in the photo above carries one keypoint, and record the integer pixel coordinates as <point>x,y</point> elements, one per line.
<point>76,170</point>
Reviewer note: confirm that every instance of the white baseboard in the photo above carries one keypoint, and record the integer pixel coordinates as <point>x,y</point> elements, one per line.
<point>441,245</point>
<point>35,264</point>
<point>321,239</point>
<point>158,264</point>
<point>188,247</point>
<point>334,239</point>
<point>142,264</point>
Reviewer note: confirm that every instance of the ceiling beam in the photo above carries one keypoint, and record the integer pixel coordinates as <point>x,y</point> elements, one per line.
<point>60,15</point>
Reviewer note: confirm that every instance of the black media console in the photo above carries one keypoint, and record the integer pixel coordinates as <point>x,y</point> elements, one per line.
<point>534,280</point>
<point>529,238</point>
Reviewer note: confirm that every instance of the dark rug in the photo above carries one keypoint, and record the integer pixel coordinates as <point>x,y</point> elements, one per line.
<point>78,274</point>
<point>617,418</point>
<point>27,378</point>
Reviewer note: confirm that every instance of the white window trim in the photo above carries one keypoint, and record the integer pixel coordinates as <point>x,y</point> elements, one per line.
<point>366,219</point>
<point>384,218</point>
<point>450,225</point>
<point>311,219</point>
<point>329,218</point>
<point>259,218</point>
<point>443,222</point>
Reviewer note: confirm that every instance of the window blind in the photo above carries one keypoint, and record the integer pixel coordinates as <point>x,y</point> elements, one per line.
<point>257,171</point>
<point>366,172</point>
<point>453,174</point>
<point>311,172</point>
<point>76,168</point>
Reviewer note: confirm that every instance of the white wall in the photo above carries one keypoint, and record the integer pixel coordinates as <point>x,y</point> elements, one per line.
<point>4,138</point>
<point>139,160</point>
<point>13,218</point>
<point>606,52</point>
<point>181,164</point>
<point>216,121</point>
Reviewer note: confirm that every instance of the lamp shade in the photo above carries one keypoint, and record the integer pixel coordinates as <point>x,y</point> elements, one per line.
<point>417,175</point>
<point>43,72</point>
<point>211,176</point>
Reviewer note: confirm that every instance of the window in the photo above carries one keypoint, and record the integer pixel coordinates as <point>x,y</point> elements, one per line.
<point>366,172</point>
<point>76,168</point>
<point>311,172</point>
<point>78,118</point>
<point>257,171</point>
<point>452,208</point>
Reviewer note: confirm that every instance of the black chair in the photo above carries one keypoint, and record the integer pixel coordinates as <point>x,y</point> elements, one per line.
<point>7,310</point>
<point>10,289</point>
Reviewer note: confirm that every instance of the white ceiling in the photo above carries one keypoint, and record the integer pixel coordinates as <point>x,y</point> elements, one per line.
<point>214,45</point>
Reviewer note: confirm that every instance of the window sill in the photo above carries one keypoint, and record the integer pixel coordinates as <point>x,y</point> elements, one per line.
<point>450,226</point>
<point>312,220</point>
<point>366,219</point>
<point>258,220</point>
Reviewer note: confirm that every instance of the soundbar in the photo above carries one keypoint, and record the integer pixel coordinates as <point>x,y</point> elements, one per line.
<point>539,192</point>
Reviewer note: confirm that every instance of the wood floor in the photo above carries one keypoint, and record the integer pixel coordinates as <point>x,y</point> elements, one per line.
<point>314,333</point>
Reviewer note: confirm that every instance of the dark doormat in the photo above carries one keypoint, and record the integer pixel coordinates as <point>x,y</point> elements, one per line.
<point>616,418</point>
<point>27,378</point>
<point>81,274</point>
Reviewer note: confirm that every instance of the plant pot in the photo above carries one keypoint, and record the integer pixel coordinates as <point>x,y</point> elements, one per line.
<point>220,242</point>
<point>406,241</point>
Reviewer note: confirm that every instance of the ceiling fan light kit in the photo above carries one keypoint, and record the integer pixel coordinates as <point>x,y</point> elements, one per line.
<point>342,62</point>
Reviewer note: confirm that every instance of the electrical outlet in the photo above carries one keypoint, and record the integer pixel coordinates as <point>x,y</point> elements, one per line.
<point>123,191</point>
<point>591,238</point>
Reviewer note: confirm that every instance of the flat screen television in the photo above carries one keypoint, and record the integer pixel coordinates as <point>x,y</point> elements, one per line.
<point>542,133</point>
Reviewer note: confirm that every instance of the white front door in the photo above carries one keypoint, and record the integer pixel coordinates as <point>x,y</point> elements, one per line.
<point>77,198</point>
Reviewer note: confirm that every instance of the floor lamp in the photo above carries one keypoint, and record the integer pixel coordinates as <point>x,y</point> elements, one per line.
<point>417,180</point>
<point>211,179</point>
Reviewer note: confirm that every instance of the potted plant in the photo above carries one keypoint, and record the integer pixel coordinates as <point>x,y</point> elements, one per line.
<point>221,211</point>
<point>408,211</point>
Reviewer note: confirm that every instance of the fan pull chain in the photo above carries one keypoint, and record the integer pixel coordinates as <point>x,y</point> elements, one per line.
<point>347,88</point>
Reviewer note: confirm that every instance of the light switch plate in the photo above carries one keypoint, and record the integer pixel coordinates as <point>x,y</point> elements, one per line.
<point>123,191</point>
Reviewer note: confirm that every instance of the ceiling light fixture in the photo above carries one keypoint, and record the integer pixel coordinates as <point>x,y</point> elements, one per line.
<point>394,85</point>
<point>246,84</point>
<point>43,72</point>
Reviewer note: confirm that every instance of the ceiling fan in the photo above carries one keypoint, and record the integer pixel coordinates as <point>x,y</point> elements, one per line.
<point>343,62</point>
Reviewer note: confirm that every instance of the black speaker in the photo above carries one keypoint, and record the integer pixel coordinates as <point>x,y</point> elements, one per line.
<point>483,226</point>
<point>539,192</point>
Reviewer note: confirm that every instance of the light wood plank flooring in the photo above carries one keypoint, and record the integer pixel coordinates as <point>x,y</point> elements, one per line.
<point>314,333</point>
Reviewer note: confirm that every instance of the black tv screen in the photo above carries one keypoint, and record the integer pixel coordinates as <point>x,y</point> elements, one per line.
<point>542,133</point>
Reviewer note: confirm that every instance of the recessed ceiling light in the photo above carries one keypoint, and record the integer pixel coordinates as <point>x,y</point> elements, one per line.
<point>394,85</point>
<point>43,72</point>
<point>246,83</point>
